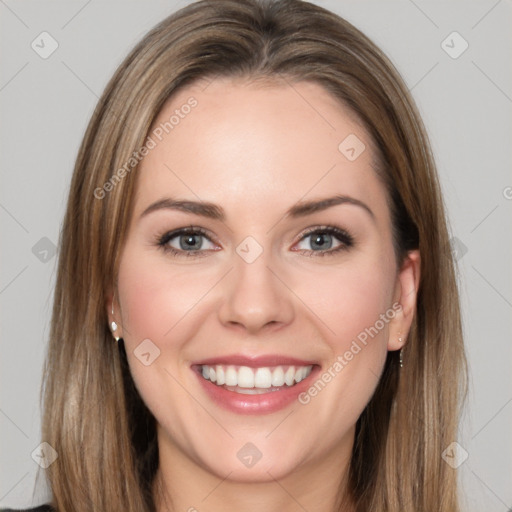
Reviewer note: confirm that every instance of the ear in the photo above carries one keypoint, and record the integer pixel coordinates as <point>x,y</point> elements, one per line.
<point>405,296</point>
<point>113,313</point>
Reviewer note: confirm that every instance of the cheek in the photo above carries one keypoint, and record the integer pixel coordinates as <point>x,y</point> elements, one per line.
<point>158,305</point>
<point>353,307</point>
<point>348,298</point>
<point>163,305</point>
<point>156,298</point>
<point>357,339</point>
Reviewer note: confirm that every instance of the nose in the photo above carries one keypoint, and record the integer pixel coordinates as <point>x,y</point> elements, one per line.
<point>254,297</point>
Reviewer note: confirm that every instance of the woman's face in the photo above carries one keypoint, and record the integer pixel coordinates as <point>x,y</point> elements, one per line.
<point>274,273</point>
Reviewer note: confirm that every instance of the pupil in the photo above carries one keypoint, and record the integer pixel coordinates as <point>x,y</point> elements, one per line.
<point>321,242</point>
<point>190,241</point>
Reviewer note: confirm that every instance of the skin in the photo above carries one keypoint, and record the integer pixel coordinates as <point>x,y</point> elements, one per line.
<point>256,150</point>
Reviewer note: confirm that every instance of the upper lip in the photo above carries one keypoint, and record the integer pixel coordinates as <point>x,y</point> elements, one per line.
<point>255,361</point>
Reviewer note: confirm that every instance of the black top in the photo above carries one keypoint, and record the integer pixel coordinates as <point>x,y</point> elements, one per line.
<point>41,508</point>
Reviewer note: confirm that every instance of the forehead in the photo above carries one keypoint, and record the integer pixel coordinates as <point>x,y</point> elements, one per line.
<point>263,144</point>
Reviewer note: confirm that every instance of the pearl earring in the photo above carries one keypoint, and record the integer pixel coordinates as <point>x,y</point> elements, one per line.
<point>401,355</point>
<point>113,324</point>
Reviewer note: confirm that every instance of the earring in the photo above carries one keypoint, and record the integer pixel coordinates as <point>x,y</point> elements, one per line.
<point>401,352</point>
<point>113,324</point>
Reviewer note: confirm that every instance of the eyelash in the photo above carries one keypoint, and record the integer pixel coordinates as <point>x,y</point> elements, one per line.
<point>347,241</point>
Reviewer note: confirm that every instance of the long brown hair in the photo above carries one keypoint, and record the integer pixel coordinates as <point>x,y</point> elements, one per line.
<point>93,415</point>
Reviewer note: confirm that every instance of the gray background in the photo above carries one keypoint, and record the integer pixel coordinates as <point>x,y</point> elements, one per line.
<point>466,103</point>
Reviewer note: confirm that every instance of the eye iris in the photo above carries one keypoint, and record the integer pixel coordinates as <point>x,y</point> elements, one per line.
<point>190,242</point>
<point>319,240</point>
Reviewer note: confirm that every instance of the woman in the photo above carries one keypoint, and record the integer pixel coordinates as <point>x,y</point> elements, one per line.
<point>256,306</point>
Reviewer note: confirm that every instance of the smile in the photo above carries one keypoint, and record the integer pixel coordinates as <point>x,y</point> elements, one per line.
<point>255,389</point>
<point>247,380</point>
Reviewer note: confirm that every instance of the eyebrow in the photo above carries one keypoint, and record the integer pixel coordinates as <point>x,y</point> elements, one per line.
<point>213,211</point>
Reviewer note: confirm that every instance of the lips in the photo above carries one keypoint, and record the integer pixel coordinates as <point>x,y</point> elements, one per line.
<point>254,385</point>
<point>255,361</point>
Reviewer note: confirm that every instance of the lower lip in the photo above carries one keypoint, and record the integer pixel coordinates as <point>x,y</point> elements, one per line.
<point>264,403</point>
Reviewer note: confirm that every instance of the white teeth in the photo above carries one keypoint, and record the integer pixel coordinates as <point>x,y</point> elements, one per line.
<point>221,379</point>
<point>263,378</point>
<point>278,376</point>
<point>231,376</point>
<point>246,378</point>
<point>289,376</point>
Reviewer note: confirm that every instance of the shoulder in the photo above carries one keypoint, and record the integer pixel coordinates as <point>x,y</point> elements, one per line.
<point>42,508</point>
